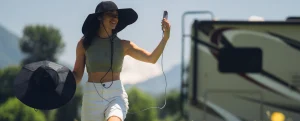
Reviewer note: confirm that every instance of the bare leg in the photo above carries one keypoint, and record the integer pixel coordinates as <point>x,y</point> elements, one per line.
<point>114,118</point>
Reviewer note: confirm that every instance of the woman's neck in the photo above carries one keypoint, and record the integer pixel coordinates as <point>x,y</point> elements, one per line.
<point>104,33</point>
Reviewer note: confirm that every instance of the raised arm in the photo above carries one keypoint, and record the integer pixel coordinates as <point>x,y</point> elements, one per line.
<point>79,62</point>
<point>140,54</point>
<point>143,55</point>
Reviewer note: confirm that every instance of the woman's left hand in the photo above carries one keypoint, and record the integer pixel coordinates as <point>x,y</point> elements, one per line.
<point>166,28</point>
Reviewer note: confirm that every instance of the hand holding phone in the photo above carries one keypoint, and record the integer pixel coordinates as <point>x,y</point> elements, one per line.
<point>165,15</point>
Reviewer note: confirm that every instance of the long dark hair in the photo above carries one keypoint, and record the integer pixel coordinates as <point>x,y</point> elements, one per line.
<point>91,33</point>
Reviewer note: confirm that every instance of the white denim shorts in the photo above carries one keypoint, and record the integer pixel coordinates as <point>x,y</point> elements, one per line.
<point>112,101</point>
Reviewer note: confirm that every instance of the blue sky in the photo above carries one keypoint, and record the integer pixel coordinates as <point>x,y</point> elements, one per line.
<point>68,16</point>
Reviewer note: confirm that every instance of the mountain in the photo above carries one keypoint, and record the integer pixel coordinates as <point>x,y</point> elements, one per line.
<point>156,85</point>
<point>10,54</point>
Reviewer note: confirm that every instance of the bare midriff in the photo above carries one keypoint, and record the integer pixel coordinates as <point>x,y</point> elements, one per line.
<point>97,76</point>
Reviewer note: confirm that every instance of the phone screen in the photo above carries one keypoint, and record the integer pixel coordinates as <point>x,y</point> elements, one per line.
<point>165,14</point>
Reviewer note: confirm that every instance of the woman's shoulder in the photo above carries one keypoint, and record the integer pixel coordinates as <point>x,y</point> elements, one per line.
<point>124,40</point>
<point>125,43</point>
<point>80,43</point>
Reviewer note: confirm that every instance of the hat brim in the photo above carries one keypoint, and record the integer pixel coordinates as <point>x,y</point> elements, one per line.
<point>127,16</point>
<point>52,99</point>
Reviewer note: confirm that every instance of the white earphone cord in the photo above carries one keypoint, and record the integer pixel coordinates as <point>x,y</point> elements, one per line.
<point>111,84</point>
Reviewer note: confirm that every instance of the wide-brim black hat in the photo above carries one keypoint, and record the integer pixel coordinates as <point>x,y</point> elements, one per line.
<point>44,85</point>
<point>126,16</point>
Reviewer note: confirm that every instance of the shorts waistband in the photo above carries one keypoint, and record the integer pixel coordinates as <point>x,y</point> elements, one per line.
<point>115,84</point>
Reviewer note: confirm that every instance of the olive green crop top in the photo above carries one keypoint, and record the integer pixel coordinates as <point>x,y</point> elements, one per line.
<point>98,55</point>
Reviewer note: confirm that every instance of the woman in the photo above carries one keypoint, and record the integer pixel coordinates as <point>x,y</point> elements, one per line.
<point>102,52</point>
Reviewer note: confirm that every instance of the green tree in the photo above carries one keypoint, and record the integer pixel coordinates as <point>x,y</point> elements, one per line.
<point>7,76</point>
<point>69,112</point>
<point>172,106</point>
<point>171,111</point>
<point>139,101</point>
<point>14,110</point>
<point>41,42</point>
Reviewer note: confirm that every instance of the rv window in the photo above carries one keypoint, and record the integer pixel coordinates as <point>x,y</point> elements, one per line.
<point>240,60</point>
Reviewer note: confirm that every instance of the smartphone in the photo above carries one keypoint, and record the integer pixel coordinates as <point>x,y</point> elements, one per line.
<point>165,14</point>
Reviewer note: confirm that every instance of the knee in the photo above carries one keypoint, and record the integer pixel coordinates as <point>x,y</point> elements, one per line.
<point>114,118</point>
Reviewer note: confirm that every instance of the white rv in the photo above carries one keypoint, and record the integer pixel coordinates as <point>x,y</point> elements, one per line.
<point>210,94</point>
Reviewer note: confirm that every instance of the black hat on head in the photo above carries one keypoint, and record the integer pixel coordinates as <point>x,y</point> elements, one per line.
<point>126,16</point>
<point>44,85</point>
